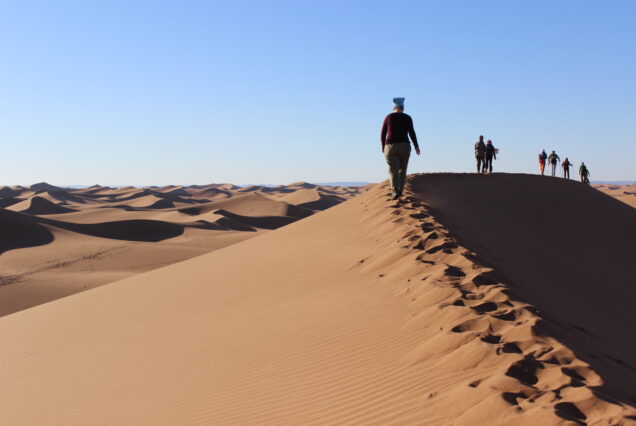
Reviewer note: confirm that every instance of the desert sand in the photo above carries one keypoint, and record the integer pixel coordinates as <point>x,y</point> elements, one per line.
<point>476,300</point>
<point>625,193</point>
<point>59,241</point>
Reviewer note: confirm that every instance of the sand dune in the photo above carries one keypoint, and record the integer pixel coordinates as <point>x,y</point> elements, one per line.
<point>19,231</point>
<point>624,193</point>
<point>37,205</point>
<point>262,222</point>
<point>43,186</point>
<point>468,303</point>
<point>302,185</point>
<point>176,191</point>
<point>7,192</point>
<point>252,204</point>
<point>311,199</point>
<point>301,196</point>
<point>68,240</point>
<point>211,193</point>
<point>146,201</point>
<point>6,202</point>
<point>61,196</point>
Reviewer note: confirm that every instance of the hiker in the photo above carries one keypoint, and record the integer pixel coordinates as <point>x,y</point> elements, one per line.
<point>480,154</point>
<point>584,173</point>
<point>396,129</point>
<point>566,168</point>
<point>553,159</point>
<point>491,152</point>
<point>542,157</point>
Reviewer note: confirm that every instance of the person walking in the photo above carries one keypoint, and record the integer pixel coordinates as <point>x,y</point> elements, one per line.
<point>396,130</point>
<point>480,155</point>
<point>554,159</point>
<point>566,168</point>
<point>491,152</point>
<point>584,173</point>
<point>542,157</point>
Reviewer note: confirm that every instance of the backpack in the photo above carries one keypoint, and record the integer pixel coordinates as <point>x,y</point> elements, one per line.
<point>480,149</point>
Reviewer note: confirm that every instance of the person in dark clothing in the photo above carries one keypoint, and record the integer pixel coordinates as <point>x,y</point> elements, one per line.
<point>542,157</point>
<point>584,173</point>
<point>553,159</point>
<point>491,152</point>
<point>396,130</point>
<point>480,155</point>
<point>566,168</point>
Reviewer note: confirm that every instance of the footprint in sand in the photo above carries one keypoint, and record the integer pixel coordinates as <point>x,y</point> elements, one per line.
<point>420,215</point>
<point>484,279</point>
<point>569,411</point>
<point>509,348</point>
<point>491,338</point>
<point>525,370</point>
<point>485,307</point>
<point>506,316</point>
<point>512,397</point>
<point>454,271</point>
<point>446,247</point>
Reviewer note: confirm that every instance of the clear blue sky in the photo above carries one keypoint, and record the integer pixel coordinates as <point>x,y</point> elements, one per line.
<point>183,92</point>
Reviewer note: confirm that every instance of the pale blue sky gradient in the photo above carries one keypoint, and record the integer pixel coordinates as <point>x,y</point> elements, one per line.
<point>192,92</point>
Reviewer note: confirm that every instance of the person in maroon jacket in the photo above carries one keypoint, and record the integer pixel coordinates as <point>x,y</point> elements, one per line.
<point>396,130</point>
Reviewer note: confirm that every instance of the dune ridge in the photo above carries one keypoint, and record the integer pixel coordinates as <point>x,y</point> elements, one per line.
<point>371,312</point>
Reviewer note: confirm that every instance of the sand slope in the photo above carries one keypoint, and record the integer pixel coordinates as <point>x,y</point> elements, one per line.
<point>372,312</point>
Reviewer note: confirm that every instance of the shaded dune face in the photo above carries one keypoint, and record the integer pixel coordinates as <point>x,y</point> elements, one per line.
<point>129,230</point>
<point>6,202</point>
<point>456,305</point>
<point>20,232</point>
<point>562,247</point>
<point>37,205</point>
<point>7,192</point>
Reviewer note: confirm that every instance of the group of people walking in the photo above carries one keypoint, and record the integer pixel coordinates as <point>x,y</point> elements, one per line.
<point>397,128</point>
<point>553,159</point>
<point>484,154</point>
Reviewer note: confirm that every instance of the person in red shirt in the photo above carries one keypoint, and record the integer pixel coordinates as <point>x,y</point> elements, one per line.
<point>396,146</point>
<point>542,157</point>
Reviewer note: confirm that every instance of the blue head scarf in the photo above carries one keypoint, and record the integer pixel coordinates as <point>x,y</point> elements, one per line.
<point>398,102</point>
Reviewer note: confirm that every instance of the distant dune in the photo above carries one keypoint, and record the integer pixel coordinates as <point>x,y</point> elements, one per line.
<point>624,193</point>
<point>38,205</point>
<point>476,300</point>
<point>59,241</point>
<point>7,192</point>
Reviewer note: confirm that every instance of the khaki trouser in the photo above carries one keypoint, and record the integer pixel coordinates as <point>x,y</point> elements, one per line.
<point>397,157</point>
